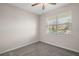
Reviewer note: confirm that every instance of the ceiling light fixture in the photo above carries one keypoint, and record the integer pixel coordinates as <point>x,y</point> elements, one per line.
<point>43,5</point>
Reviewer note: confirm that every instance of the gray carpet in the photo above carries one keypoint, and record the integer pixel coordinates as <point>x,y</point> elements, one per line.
<point>40,49</point>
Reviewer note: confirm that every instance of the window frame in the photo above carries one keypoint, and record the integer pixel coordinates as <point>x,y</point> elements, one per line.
<point>70,26</point>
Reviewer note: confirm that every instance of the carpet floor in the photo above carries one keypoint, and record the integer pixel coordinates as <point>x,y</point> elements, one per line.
<point>40,49</point>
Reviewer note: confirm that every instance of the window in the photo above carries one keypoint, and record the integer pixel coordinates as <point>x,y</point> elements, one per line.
<point>52,24</point>
<point>60,23</point>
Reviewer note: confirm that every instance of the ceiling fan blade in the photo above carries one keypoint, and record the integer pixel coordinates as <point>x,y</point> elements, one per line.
<point>35,4</point>
<point>52,3</point>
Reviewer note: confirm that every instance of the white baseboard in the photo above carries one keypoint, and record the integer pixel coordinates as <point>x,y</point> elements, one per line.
<point>60,46</point>
<point>28,43</point>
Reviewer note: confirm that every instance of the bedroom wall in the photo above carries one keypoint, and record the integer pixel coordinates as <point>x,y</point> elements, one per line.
<point>68,41</point>
<point>17,28</point>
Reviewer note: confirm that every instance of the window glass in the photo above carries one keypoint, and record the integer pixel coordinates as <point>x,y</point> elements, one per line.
<point>64,23</point>
<point>60,23</point>
<point>52,24</point>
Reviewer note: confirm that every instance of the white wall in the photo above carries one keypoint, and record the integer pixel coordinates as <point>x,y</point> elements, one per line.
<point>70,41</point>
<point>17,27</point>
